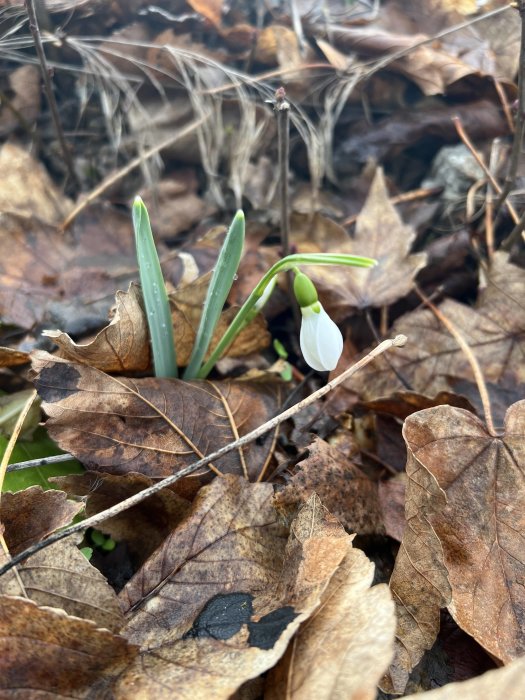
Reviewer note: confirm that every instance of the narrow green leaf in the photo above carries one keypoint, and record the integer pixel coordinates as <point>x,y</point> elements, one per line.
<point>154,294</point>
<point>219,288</point>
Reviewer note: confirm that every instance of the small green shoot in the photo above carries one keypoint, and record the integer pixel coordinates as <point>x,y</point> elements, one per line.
<point>286,373</point>
<point>219,288</point>
<point>154,294</point>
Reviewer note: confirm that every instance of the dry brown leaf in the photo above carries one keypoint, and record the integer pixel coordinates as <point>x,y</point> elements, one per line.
<point>187,304</point>
<point>122,346</point>
<point>151,426</point>
<point>13,358</point>
<point>60,576</point>
<point>341,651</point>
<point>32,514</point>
<point>429,66</point>
<point>211,9</point>
<point>481,527</point>
<point>344,489</point>
<point>46,653</point>
<point>494,330</point>
<point>380,234</point>
<point>63,278</point>
<point>501,684</point>
<point>174,205</point>
<point>232,540</point>
<point>419,582</point>
<point>27,189</point>
<point>278,46</point>
<point>23,107</point>
<point>224,594</point>
<point>144,527</point>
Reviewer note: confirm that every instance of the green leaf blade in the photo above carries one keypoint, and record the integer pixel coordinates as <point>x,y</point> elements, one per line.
<point>154,294</point>
<point>218,290</point>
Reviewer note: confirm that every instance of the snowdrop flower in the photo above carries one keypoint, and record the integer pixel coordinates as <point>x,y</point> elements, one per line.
<point>321,340</point>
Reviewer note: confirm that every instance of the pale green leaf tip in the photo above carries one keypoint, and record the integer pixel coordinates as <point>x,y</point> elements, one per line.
<point>137,202</point>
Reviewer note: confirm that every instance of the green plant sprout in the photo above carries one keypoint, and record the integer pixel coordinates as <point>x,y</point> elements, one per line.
<point>218,289</point>
<point>321,340</point>
<point>154,293</point>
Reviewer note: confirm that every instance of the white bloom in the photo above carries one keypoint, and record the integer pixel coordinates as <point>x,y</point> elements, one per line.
<point>321,340</point>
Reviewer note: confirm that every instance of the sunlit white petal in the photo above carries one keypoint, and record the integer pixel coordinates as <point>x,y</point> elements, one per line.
<point>321,340</point>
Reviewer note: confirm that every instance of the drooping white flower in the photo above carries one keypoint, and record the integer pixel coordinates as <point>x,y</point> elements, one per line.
<point>321,340</point>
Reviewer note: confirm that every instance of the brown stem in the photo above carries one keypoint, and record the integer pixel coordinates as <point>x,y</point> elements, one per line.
<point>519,130</point>
<point>48,87</point>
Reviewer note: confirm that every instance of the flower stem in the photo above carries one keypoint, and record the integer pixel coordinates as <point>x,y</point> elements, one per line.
<point>288,263</point>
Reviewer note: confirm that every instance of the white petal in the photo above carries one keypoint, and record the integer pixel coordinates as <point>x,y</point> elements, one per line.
<point>321,340</point>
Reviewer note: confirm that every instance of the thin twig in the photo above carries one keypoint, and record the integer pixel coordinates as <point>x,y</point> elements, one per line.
<point>479,160</point>
<point>41,462</point>
<point>48,87</point>
<point>474,364</point>
<point>94,520</point>
<point>519,129</point>
<point>282,108</point>
<point>119,174</point>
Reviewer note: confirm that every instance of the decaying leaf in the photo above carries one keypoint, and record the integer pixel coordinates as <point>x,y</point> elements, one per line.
<point>343,648</point>
<point>13,358</point>
<point>419,583</point>
<point>151,426</point>
<point>481,527</point>
<point>46,653</point>
<point>60,576</point>
<point>27,189</point>
<point>32,514</point>
<point>501,684</point>
<point>344,489</point>
<point>220,600</point>
<point>68,280</point>
<point>379,234</point>
<point>494,330</point>
<point>122,346</point>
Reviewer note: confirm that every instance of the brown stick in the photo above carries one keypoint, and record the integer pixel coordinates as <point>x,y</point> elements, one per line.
<point>48,87</point>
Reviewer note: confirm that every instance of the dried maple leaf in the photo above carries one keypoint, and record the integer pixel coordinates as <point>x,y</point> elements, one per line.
<point>342,649</point>
<point>46,653</point>
<point>462,545</point>
<point>494,330</point>
<point>219,601</point>
<point>379,234</point>
<point>419,583</point>
<point>151,426</point>
<point>481,527</point>
<point>341,485</point>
